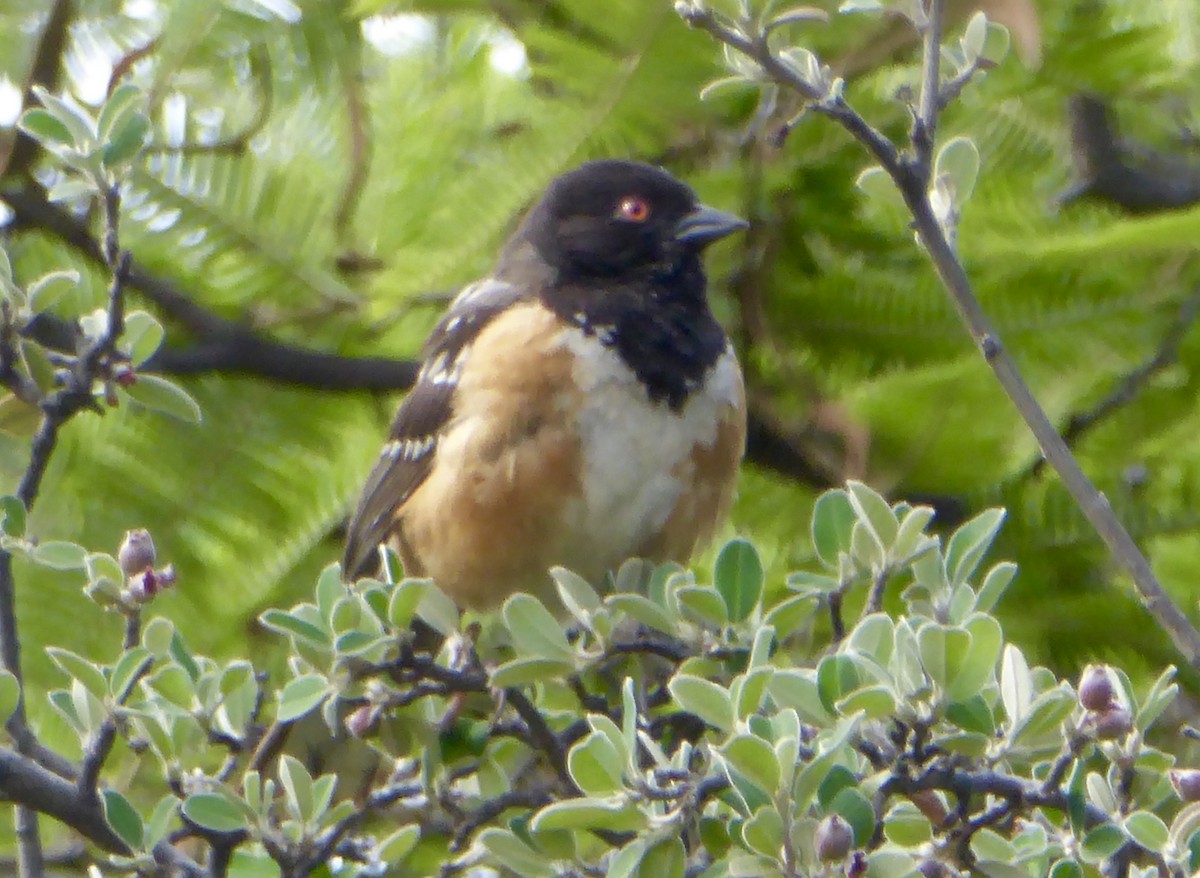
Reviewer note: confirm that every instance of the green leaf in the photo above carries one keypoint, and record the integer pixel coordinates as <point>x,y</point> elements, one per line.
<point>398,845</point>
<point>46,128</point>
<point>528,671</point>
<point>1067,867</point>
<point>876,702</point>
<point>301,696</point>
<point>911,535</point>
<point>994,585</point>
<point>874,636</point>
<point>438,611</point>
<point>143,336</point>
<point>288,623</point>
<point>297,787</point>
<point>977,667</point>
<point>129,666</point>
<point>970,543</point>
<point>1042,723</point>
<point>60,555</point>
<point>995,46</point>
<point>123,100</point>
<point>123,818</point>
<point>82,131</point>
<point>906,826</point>
<point>160,395</point>
<point>514,854</point>
<point>885,863</point>
<point>535,631</point>
<point>576,593</point>
<point>13,521</point>
<point>126,141</point>
<point>641,609</point>
<point>404,600</point>
<point>1101,843</point>
<point>78,668</point>
<point>49,288</point>
<point>848,6</point>
<point>738,576</point>
<point>854,807</point>
<point>837,676</point>
<point>214,811</point>
<point>797,689</point>
<point>157,636</point>
<point>1148,830</point>
<point>875,513</point>
<point>957,166</point>
<point>703,604</point>
<point>1157,700</point>
<point>614,815</point>
<point>754,759</point>
<point>832,522</point>
<point>10,695</point>
<point>596,766</point>
<point>974,36</point>
<point>764,831</point>
<point>707,700</point>
<point>1016,685</point>
<point>160,821</point>
<point>667,859</point>
<point>943,651</point>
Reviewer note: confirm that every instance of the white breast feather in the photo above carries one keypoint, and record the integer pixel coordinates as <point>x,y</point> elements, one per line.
<point>632,446</point>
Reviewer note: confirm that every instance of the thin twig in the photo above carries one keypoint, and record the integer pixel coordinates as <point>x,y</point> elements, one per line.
<point>1132,383</point>
<point>76,395</point>
<point>912,186</point>
<point>101,745</point>
<point>924,130</point>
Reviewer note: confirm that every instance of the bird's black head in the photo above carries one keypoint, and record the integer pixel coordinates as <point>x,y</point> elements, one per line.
<point>615,217</point>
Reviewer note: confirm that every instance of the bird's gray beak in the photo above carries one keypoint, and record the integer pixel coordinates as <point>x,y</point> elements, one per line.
<point>707,224</point>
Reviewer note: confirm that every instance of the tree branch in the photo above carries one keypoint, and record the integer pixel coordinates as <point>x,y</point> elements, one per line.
<point>1133,382</point>
<point>912,186</point>
<point>1135,178</point>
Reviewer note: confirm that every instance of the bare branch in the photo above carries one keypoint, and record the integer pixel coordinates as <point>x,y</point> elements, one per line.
<point>912,186</point>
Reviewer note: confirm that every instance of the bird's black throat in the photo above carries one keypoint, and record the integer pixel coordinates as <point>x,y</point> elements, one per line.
<point>660,325</point>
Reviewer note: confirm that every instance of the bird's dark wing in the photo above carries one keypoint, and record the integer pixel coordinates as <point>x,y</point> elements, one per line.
<point>407,457</point>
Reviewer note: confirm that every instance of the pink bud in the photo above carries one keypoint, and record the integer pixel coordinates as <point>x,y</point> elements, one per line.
<point>1116,722</point>
<point>136,552</point>
<point>363,721</point>
<point>1186,782</point>
<point>833,839</point>
<point>1096,688</point>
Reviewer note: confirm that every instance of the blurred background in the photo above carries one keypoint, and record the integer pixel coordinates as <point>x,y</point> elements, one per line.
<point>325,175</point>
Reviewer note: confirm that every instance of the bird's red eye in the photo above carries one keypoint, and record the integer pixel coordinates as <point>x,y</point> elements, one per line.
<point>634,209</point>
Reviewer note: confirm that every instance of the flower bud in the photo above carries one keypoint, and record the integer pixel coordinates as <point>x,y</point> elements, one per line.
<point>833,839</point>
<point>857,867</point>
<point>363,721</point>
<point>165,578</point>
<point>137,552</point>
<point>1116,722</point>
<point>1096,688</point>
<point>933,869</point>
<point>142,587</point>
<point>1186,782</point>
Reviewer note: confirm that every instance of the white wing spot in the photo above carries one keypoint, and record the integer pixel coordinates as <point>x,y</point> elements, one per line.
<point>409,449</point>
<point>443,369</point>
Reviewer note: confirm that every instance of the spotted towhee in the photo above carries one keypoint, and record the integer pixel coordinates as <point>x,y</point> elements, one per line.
<point>578,407</point>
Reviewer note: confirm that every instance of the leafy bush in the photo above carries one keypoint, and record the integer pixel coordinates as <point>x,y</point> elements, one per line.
<point>673,727</point>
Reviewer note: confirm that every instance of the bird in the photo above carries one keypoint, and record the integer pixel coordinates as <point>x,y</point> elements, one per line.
<point>579,406</point>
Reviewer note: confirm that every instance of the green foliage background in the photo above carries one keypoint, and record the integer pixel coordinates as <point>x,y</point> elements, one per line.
<point>247,505</point>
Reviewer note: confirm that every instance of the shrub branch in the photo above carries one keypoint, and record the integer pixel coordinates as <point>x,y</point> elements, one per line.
<point>910,174</point>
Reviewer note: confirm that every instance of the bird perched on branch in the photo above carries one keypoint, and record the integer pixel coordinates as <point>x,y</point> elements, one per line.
<point>579,406</point>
